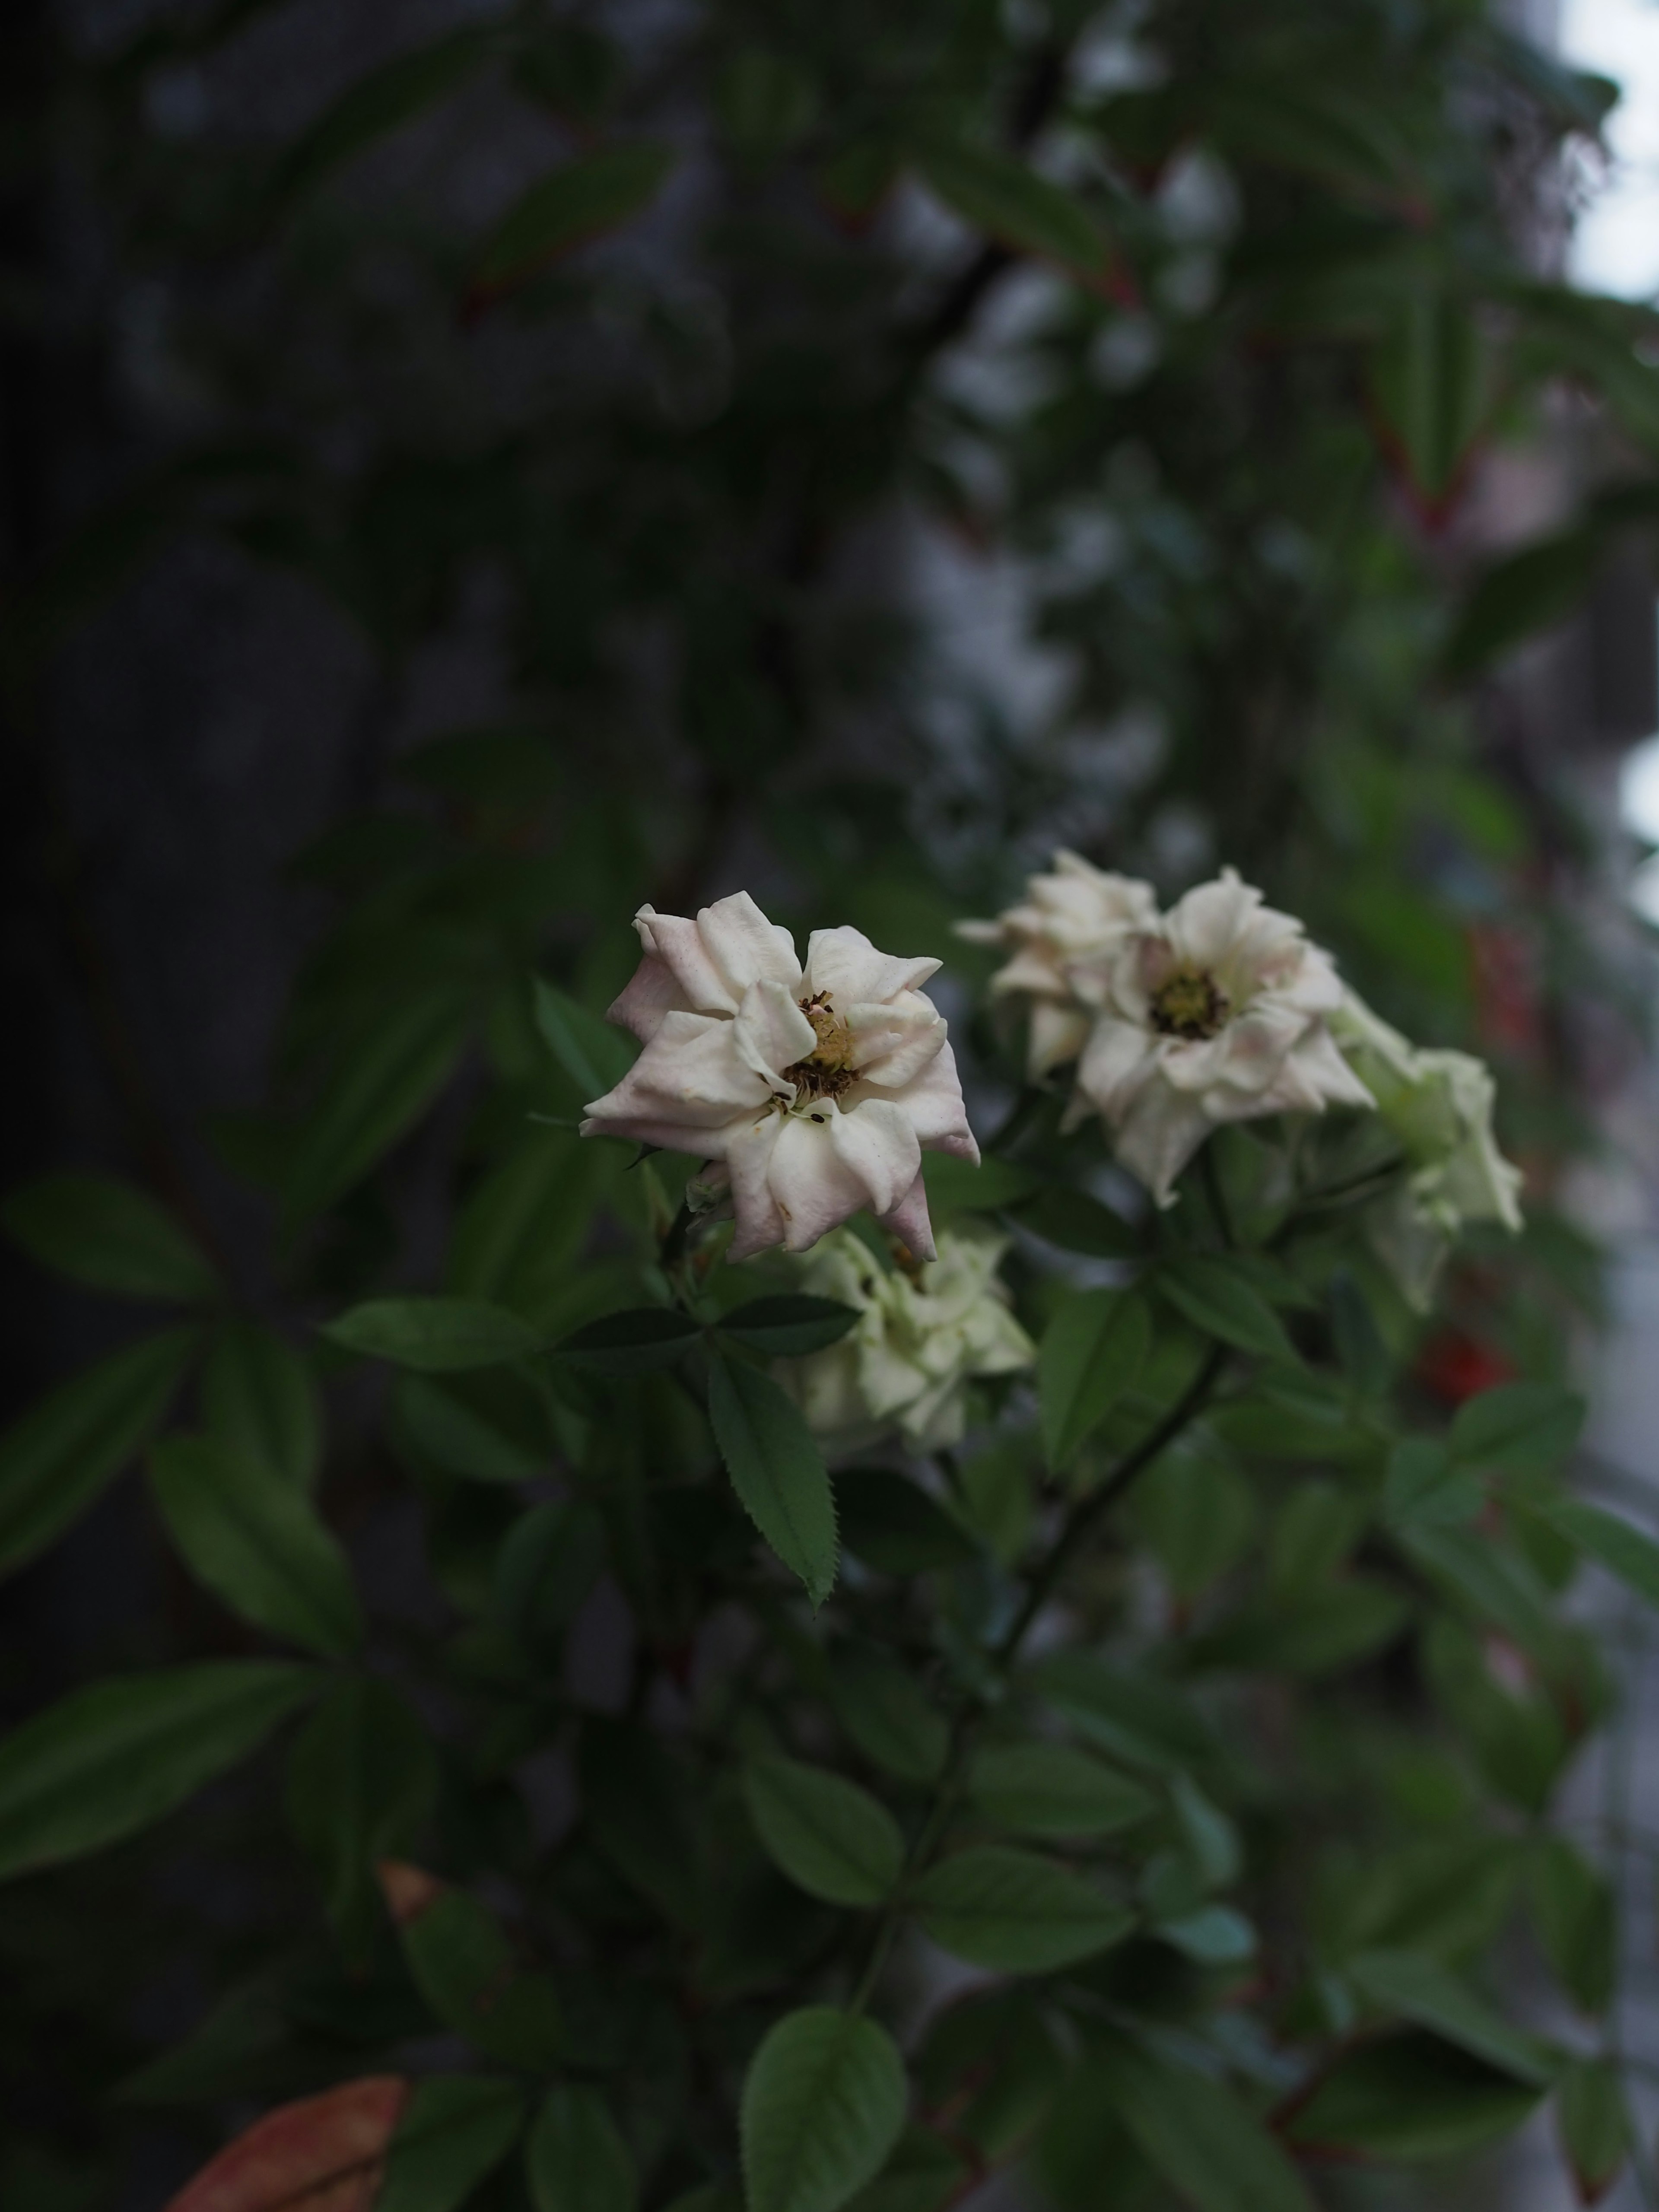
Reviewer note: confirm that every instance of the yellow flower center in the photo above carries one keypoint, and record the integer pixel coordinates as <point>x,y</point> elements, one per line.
<point>826,1072</point>
<point>1189,1004</point>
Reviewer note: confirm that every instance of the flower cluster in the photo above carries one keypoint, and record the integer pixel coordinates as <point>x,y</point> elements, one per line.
<point>1217,1010</point>
<point>813,1091</point>
<point>922,1335</point>
<point>1437,1105</point>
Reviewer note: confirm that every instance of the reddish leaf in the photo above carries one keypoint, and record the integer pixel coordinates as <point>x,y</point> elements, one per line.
<point>321,2155</point>
<point>408,1890</point>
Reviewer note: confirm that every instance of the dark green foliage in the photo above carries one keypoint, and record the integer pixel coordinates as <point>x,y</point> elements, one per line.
<point>1209,1697</point>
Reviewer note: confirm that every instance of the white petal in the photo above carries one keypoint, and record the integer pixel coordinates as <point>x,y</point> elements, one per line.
<point>1058,1034</point>
<point>748,1151</point>
<point>747,947</point>
<point>689,1078</point>
<point>679,945</point>
<point>1202,926</point>
<point>651,991</point>
<point>770,1034</point>
<point>932,1104</point>
<point>894,1042</point>
<point>812,1187</point>
<point>844,963</point>
<point>876,1142</point>
<point>1118,1059</point>
<point>1161,1135</point>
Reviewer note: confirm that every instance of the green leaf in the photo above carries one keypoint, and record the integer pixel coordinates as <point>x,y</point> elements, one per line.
<point>455,2129</point>
<point>892,1525</point>
<point>381,102</point>
<point>1015,1912</point>
<point>823,2105</point>
<point>586,198</point>
<point>545,1569</point>
<point>1411,2097</point>
<point>444,1429</point>
<point>66,1449</point>
<point>1219,1298</point>
<point>788,1326</point>
<point>1495,1583</point>
<point>1000,195</point>
<point>1210,2148</point>
<point>1623,1550</point>
<point>1419,1989</point>
<point>1431,384</point>
<point>1576,1917</point>
<point>1424,1490</point>
<point>1048,1790</point>
<point>886,1712</point>
<point>1078,1223</point>
<point>1196,1513</point>
<point>776,1469</point>
<point>575,2160</point>
<point>435,1336</point>
<point>520,1228</point>
<point>111,1759</point>
<point>635,1795</point>
<point>985,1186</point>
<point>830,1837</point>
<point>1214,1936</point>
<point>256,1541</point>
<point>593,1053</point>
<point>362,1779</point>
<point>464,1968</point>
<point>1092,1351</point>
<point>1527,590</point>
<point>259,1399</point>
<point>633,1342</point>
<point>1517,1427</point>
<point>379,1090</point>
<point>109,1235</point>
<point>1133,1717</point>
<point>1597,2132</point>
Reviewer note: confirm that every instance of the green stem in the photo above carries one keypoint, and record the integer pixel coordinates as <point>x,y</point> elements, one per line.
<point>1081,1523</point>
<point>1086,1515</point>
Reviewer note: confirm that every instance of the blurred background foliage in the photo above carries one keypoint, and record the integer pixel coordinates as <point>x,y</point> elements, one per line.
<point>848,451</point>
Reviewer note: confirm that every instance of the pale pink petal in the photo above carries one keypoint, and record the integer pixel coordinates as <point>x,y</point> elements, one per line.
<point>651,991</point>
<point>932,1105</point>
<point>679,945</point>
<point>876,1141</point>
<point>908,1221</point>
<point>1246,1055</point>
<point>747,947</point>
<point>894,1042</point>
<point>844,963</point>
<point>813,1187</point>
<point>770,1034</point>
<point>749,1148</point>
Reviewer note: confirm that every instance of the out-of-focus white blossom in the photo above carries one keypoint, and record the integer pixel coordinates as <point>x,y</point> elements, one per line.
<point>1072,919</point>
<point>920,1337</point>
<point>817,1088</point>
<point>1216,1012</point>
<point>1438,1103</point>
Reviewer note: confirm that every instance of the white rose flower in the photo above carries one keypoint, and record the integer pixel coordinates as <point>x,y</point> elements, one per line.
<point>919,1342</point>
<point>1438,1104</point>
<point>1216,1013</point>
<point>818,1089</point>
<point>1076,915</point>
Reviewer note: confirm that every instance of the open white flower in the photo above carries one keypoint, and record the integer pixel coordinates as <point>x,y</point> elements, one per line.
<point>1215,1013</point>
<point>1074,918</point>
<point>920,1340</point>
<point>819,1088</point>
<point>1438,1105</point>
